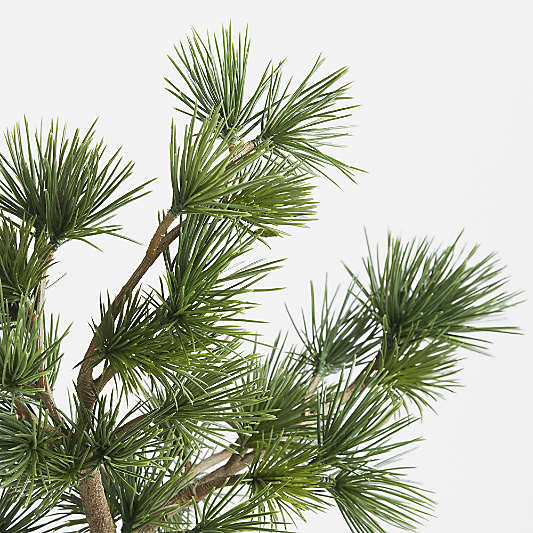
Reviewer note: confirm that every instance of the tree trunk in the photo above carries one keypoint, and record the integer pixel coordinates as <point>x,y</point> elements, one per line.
<point>95,504</point>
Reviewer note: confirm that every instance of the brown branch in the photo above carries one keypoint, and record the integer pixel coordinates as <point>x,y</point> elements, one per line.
<point>209,462</point>
<point>361,380</point>
<point>357,384</point>
<point>160,233</point>
<point>95,504</point>
<point>91,489</point>
<point>169,238</point>
<point>314,384</point>
<point>104,378</point>
<point>154,251</point>
<point>87,387</point>
<point>48,400</point>
<point>23,413</point>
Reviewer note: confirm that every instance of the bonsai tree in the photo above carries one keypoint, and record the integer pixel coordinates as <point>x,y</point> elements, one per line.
<point>181,417</point>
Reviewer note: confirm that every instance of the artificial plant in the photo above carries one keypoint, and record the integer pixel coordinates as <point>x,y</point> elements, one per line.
<point>180,418</point>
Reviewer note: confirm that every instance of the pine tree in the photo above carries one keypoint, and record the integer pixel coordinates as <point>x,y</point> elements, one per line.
<point>181,419</point>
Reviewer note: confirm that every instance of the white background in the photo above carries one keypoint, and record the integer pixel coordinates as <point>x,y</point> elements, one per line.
<point>444,131</point>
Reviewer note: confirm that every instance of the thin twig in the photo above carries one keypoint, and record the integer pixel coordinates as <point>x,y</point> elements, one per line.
<point>48,400</point>
<point>155,251</point>
<point>24,413</point>
<point>241,150</point>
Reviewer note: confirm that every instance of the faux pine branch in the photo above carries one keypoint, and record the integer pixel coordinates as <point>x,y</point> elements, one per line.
<point>181,420</point>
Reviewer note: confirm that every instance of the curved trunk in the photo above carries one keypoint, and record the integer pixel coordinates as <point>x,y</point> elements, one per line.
<point>95,504</point>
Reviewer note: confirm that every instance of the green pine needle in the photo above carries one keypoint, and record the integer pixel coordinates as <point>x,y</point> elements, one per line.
<point>213,73</point>
<point>437,294</point>
<point>282,380</point>
<point>370,498</point>
<point>207,178</point>
<point>210,404</point>
<point>426,303</point>
<point>336,335</point>
<point>204,294</point>
<point>31,456</point>
<point>24,259</point>
<point>16,516</point>
<point>140,346</point>
<point>303,124</point>
<point>115,448</point>
<point>144,493</point>
<point>65,186</point>
<point>22,359</point>
<point>357,425</point>
<point>286,465</point>
<point>216,513</point>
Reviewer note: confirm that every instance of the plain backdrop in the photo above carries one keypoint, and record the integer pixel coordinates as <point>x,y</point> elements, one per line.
<point>444,131</point>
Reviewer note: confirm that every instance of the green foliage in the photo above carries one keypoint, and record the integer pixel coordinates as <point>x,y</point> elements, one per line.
<point>217,515</point>
<point>16,516</point>
<point>52,339</point>
<point>137,344</point>
<point>77,452</point>
<point>204,167</point>
<point>203,297</point>
<point>144,493</point>
<point>208,178</point>
<point>24,259</point>
<point>272,193</point>
<point>31,454</point>
<point>307,425</point>
<point>22,359</point>
<point>210,403</point>
<point>357,430</point>
<point>214,72</point>
<point>419,371</point>
<point>302,123</point>
<point>371,497</point>
<point>286,465</point>
<point>334,338</point>
<point>283,382</point>
<point>426,303</point>
<point>435,294</point>
<point>64,185</point>
<point>357,423</point>
<point>118,446</point>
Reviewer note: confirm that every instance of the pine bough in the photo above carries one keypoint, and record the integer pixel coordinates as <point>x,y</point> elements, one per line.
<point>202,428</point>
